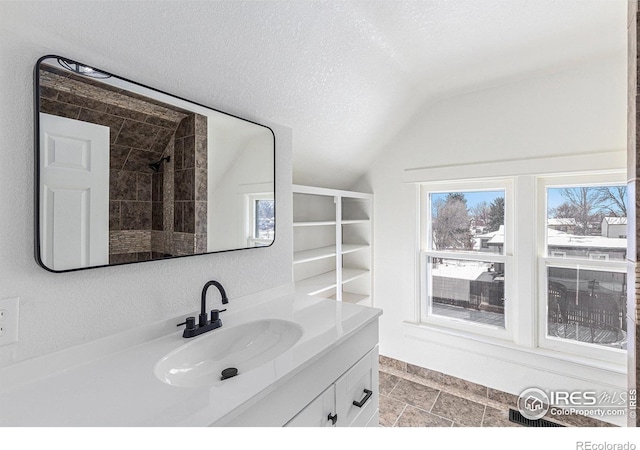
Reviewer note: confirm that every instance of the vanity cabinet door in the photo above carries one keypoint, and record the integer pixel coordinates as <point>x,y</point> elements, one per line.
<point>318,412</point>
<point>357,393</point>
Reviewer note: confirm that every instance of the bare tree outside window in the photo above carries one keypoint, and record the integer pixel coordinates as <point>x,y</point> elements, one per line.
<point>614,200</point>
<point>589,205</point>
<point>480,213</point>
<point>451,223</point>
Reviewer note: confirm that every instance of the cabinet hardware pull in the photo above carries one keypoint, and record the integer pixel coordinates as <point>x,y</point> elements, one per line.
<point>361,403</point>
<point>333,418</point>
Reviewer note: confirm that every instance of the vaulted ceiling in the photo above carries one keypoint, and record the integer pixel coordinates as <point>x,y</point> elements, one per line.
<point>346,76</point>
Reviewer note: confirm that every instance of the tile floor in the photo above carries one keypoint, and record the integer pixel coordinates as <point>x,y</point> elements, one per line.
<point>411,396</point>
<point>415,403</point>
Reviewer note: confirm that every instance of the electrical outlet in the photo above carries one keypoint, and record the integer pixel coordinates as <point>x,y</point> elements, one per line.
<point>9,320</point>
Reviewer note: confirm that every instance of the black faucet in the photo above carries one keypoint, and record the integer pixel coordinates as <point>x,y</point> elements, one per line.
<point>205,325</point>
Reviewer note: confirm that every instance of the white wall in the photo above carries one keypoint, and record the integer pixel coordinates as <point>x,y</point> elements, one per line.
<point>580,110</point>
<point>61,310</point>
<point>249,172</point>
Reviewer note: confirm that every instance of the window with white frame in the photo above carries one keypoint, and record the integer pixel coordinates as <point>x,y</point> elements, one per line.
<point>261,219</point>
<point>582,268</point>
<point>563,290</point>
<point>466,248</point>
<point>564,256</point>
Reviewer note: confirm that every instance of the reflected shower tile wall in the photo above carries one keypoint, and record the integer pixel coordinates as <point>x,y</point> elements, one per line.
<point>157,216</point>
<point>201,219</point>
<point>190,185</point>
<point>122,185</point>
<point>135,215</point>
<point>183,244</point>
<point>63,81</point>
<point>201,182</point>
<point>59,109</point>
<point>144,187</point>
<point>168,197</point>
<point>114,216</point>
<point>157,242</point>
<point>201,185</point>
<point>129,241</point>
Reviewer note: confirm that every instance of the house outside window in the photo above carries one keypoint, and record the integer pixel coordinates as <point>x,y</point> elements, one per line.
<point>584,290</point>
<point>466,246</point>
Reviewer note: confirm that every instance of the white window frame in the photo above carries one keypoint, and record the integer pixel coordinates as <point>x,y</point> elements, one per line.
<point>426,252</point>
<point>251,200</point>
<point>571,347</point>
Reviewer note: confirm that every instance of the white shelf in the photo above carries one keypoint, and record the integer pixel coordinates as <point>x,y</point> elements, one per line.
<point>352,274</point>
<point>315,223</point>
<point>327,280</point>
<point>350,248</point>
<point>315,254</point>
<point>313,190</point>
<point>317,284</point>
<point>350,222</point>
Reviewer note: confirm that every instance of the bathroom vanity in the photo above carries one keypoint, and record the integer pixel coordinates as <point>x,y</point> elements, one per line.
<point>302,361</point>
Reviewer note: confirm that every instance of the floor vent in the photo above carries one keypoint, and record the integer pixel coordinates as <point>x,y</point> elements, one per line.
<point>516,417</point>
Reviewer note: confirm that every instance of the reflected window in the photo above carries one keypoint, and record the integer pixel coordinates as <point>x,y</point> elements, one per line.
<point>261,220</point>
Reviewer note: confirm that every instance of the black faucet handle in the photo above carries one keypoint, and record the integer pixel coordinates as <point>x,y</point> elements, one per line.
<point>190,322</point>
<point>215,314</point>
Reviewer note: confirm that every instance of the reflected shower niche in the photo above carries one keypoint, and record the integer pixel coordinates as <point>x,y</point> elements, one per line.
<point>127,173</point>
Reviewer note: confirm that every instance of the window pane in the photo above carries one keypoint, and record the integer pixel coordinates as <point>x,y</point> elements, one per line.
<point>468,290</point>
<point>468,221</point>
<point>265,223</point>
<point>587,306</point>
<point>587,222</point>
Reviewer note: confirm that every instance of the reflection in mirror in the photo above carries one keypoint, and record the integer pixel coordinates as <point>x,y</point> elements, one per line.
<point>127,173</point>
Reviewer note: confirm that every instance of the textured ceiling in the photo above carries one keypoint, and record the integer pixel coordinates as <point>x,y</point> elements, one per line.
<point>345,75</point>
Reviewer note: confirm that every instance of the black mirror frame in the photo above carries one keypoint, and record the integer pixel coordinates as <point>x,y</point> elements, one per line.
<point>36,119</point>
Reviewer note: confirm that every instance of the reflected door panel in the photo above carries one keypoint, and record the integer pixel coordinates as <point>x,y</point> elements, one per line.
<point>74,173</point>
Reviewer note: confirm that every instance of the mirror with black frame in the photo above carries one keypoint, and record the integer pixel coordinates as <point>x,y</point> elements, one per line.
<point>126,173</point>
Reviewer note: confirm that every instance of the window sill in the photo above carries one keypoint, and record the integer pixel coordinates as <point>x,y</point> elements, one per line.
<point>550,360</point>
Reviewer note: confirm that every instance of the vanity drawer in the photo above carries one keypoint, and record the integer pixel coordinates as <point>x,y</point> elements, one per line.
<point>357,392</point>
<point>360,385</point>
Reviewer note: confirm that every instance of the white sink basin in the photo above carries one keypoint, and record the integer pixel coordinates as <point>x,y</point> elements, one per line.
<point>244,347</point>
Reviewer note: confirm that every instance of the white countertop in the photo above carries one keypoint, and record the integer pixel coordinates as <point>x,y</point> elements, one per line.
<point>111,382</point>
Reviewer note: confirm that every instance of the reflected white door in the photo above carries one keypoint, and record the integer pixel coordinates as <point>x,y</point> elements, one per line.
<point>74,193</point>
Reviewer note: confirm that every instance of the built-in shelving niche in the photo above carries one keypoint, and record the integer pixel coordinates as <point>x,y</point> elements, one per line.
<point>333,244</point>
